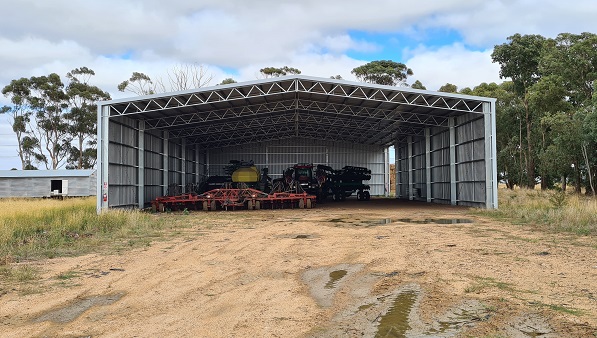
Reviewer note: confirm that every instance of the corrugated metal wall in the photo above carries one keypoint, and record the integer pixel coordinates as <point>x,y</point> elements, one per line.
<point>470,160</point>
<point>440,165</point>
<point>469,137</point>
<point>279,155</point>
<point>41,186</point>
<point>123,162</point>
<point>154,164</point>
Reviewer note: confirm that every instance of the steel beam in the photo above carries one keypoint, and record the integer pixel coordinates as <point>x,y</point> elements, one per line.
<point>165,178</point>
<point>428,164</point>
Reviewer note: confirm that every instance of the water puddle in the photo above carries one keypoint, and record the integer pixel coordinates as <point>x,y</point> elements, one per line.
<point>435,221</point>
<point>386,221</point>
<point>395,322</point>
<point>335,276</point>
<point>78,307</point>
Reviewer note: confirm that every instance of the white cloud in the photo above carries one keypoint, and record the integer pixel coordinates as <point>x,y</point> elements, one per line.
<point>452,64</point>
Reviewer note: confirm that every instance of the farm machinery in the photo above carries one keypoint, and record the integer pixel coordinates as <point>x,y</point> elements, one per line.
<point>323,181</point>
<point>232,199</point>
<point>301,186</point>
<point>342,183</point>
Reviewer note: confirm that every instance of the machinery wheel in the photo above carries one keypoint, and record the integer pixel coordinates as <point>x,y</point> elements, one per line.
<point>250,205</point>
<point>337,197</point>
<point>309,204</point>
<point>360,195</point>
<point>257,205</point>
<point>213,205</point>
<point>205,206</point>
<point>301,204</point>
<point>366,195</point>
<point>161,207</point>
<point>342,197</point>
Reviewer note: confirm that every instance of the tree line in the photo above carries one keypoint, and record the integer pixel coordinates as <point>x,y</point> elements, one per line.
<point>546,109</point>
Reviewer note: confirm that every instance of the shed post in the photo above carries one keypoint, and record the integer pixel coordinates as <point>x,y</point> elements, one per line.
<point>197,168</point>
<point>451,123</point>
<point>428,163</point>
<point>166,164</point>
<point>490,156</point>
<point>410,167</point>
<point>103,114</point>
<point>141,166</point>
<point>183,166</point>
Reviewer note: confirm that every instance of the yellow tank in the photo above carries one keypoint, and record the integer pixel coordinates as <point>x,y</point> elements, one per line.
<point>246,175</point>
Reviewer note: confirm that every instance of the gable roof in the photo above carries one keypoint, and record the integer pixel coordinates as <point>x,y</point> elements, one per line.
<point>296,105</point>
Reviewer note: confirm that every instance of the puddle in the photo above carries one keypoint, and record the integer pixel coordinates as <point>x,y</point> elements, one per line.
<point>324,282</point>
<point>76,308</point>
<point>395,322</point>
<point>386,221</point>
<point>335,276</point>
<point>435,221</point>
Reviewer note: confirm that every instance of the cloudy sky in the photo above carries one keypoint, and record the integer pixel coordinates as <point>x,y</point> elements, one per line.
<point>442,40</point>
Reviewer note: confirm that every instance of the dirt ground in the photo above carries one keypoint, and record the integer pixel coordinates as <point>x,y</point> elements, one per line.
<point>352,269</point>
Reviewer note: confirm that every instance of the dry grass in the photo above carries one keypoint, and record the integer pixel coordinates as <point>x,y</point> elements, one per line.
<point>34,228</point>
<point>550,210</point>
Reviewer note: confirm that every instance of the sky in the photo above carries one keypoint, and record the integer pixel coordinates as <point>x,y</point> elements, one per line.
<point>442,41</point>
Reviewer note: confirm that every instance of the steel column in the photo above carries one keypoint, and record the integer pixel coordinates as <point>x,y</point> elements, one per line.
<point>410,167</point>
<point>490,157</point>
<point>103,141</point>
<point>453,194</point>
<point>141,166</point>
<point>428,163</point>
<point>166,164</point>
<point>183,168</point>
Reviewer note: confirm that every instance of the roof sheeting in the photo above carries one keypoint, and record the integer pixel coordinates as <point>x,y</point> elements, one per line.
<point>45,173</point>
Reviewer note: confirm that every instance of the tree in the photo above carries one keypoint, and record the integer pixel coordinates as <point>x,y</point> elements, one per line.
<point>336,77</point>
<point>228,80</point>
<point>82,117</point>
<point>519,60</point>
<point>383,72</point>
<point>180,77</point>
<point>50,127</point>
<point>418,85</point>
<point>268,72</point>
<point>448,88</point>
<point>139,84</point>
<point>19,116</point>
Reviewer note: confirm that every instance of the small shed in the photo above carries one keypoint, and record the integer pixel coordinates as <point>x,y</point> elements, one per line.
<point>47,183</point>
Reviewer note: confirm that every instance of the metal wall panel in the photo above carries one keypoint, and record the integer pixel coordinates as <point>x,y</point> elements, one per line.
<point>279,155</point>
<point>41,186</point>
<point>123,157</point>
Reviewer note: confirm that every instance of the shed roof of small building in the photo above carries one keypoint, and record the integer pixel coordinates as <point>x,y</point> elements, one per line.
<point>46,173</point>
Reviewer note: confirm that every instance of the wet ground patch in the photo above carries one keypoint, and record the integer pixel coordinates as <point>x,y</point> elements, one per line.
<point>76,308</point>
<point>356,222</point>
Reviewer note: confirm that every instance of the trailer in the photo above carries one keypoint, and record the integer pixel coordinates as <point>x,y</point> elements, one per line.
<point>342,183</point>
<point>233,199</point>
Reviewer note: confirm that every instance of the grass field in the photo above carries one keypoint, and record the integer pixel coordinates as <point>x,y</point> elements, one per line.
<point>39,228</point>
<point>549,210</point>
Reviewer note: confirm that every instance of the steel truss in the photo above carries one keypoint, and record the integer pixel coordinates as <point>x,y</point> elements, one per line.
<point>295,106</point>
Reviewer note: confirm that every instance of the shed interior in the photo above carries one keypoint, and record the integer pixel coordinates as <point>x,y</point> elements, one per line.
<point>444,143</point>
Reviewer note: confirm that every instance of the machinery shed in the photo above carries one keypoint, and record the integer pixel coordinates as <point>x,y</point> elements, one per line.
<point>47,183</point>
<point>445,147</point>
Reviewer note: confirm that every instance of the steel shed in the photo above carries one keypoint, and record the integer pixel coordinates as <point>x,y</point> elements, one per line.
<point>47,183</point>
<point>445,147</point>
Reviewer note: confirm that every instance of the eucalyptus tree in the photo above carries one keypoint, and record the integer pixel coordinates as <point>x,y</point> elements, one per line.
<point>82,117</point>
<point>383,72</point>
<point>49,102</point>
<point>519,60</point>
<point>268,72</point>
<point>19,114</point>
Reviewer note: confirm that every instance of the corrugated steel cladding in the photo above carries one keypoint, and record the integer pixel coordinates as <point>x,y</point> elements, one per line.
<point>445,143</point>
<point>470,164</point>
<point>40,186</point>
